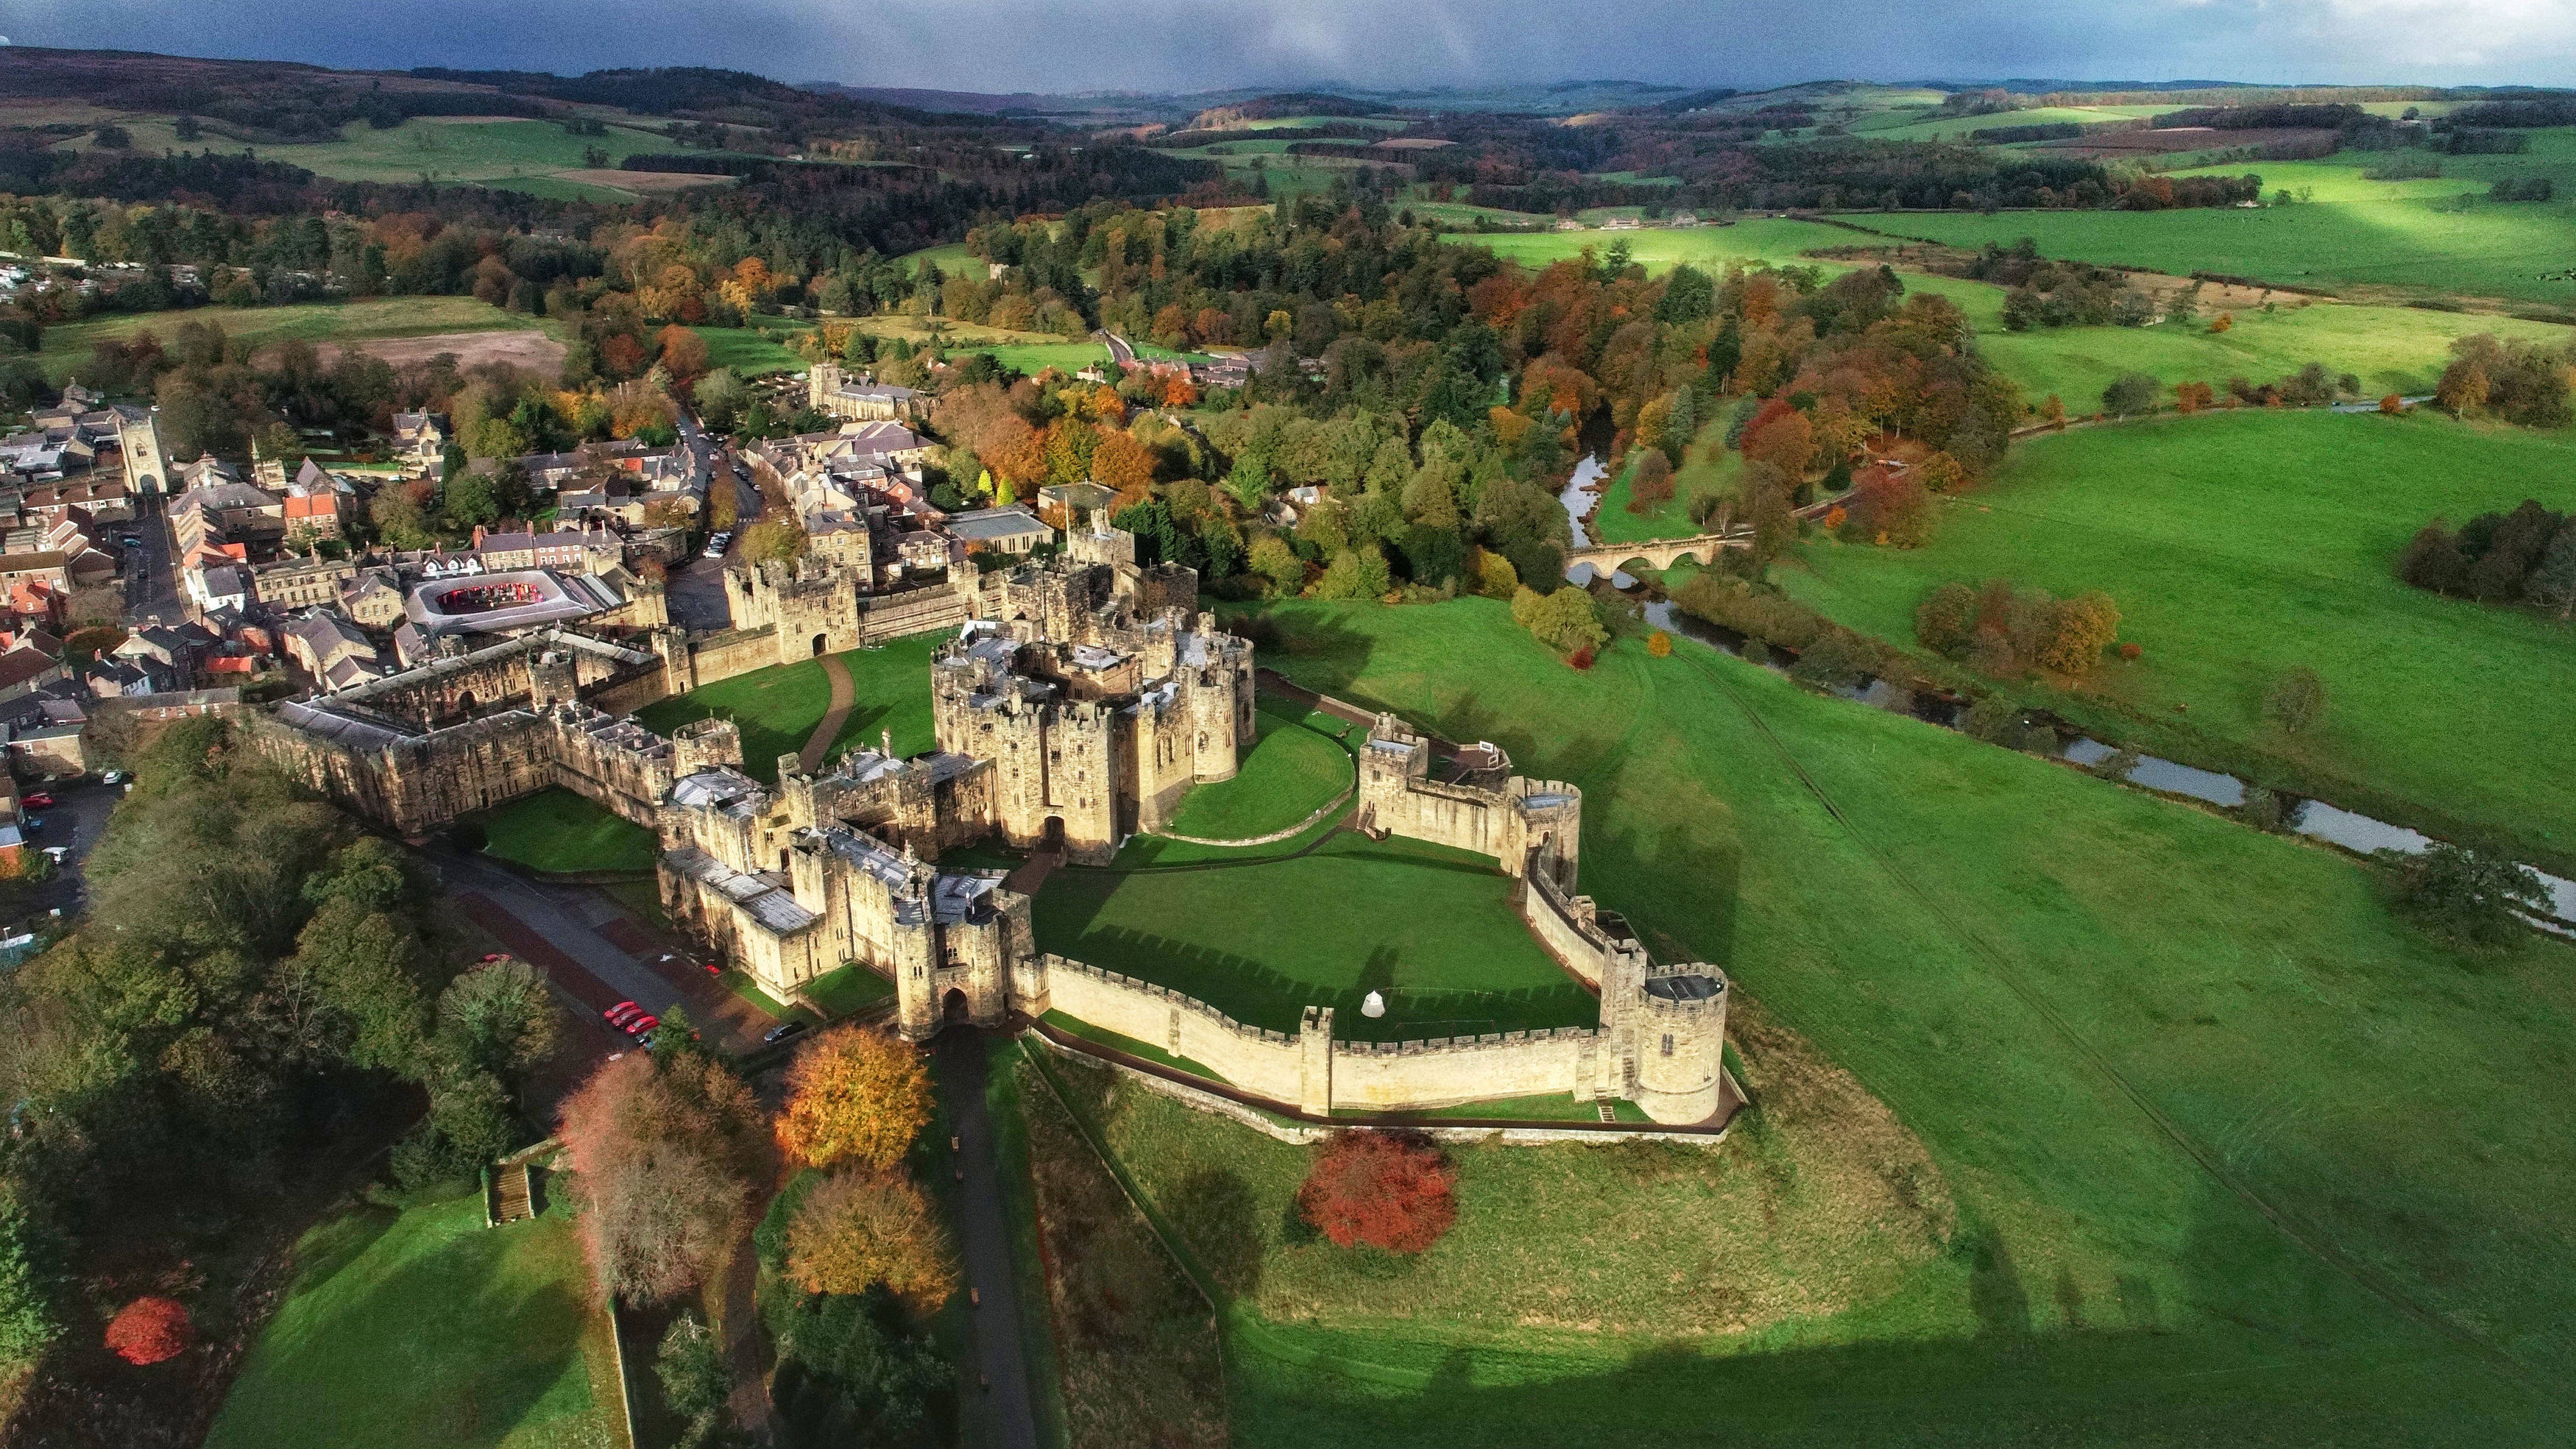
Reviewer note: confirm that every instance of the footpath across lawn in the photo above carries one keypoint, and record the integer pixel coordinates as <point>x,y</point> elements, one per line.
<point>425,1328</point>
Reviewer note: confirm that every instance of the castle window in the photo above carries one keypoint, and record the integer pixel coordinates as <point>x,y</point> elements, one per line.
<point>1668,1043</point>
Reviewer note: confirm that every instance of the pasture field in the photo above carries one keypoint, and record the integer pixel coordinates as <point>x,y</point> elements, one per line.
<point>68,345</point>
<point>2389,349</point>
<point>750,351</point>
<point>1294,768</point>
<point>426,1328</point>
<point>445,148</point>
<point>2239,546</point>
<point>950,257</point>
<point>1613,523</point>
<point>1710,248</point>
<point>557,830</point>
<point>2235,1156</point>
<point>1030,352</point>
<point>2405,246</point>
<point>1259,935</point>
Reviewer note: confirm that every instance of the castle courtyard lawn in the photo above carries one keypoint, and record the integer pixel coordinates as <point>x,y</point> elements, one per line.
<point>427,1328</point>
<point>2236,1156</point>
<point>2240,546</point>
<point>779,707</point>
<point>557,830</point>
<point>1431,928</point>
<point>1292,770</point>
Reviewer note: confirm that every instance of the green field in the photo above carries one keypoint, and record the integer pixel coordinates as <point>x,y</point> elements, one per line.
<point>1433,929</point>
<point>1037,357</point>
<point>2237,1157</point>
<point>427,1328</point>
<point>749,351</point>
<point>69,344</point>
<point>2240,546</point>
<point>557,830</point>
<point>1613,523</point>
<point>848,989</point>
<point>1752,241</point>
<point>777,708</point>
<point>1292,770</point>
<point>2390,349</point>
<point>2402,245</point>
<point>481,149</point>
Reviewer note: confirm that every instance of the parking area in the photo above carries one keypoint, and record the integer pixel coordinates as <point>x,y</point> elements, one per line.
<point>73,824</point>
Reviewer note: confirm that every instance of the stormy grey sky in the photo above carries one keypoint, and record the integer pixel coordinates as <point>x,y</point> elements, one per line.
<point>1059,45</point>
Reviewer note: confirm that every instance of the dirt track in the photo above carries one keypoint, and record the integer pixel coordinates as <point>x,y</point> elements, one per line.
<point>645,181</point>
<point>530,349</point>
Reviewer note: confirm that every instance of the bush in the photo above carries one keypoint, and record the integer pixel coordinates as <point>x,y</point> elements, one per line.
<point>2296,700</point>
<point>2131,393</point>
<point>1391,1190</point>
<point>150,1330</point>
<point>1837,660</point>
<point>2465,895</point>
<point>1659,644</point>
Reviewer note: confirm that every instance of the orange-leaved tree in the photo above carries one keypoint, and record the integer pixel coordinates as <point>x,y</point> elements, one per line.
<point>854,1095</point>
<point>664,1152</point>
<point>859,1228</point>
<point>149,1329</point>
<point>1390,1190</point>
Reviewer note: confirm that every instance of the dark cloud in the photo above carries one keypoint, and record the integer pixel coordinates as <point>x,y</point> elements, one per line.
<point>1203,44</point>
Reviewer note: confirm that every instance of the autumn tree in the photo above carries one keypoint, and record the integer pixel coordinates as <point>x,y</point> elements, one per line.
<point>860,1228</point>
<point>683,352</point>
<point>150,1330</point>
<point>2079,630</point>
<point>1390,1190</point>
<point>1946,621</point>
<point>1650,481</point>
<point>854,1095</point>
<point>774,541</point>
<point>665,1153</point>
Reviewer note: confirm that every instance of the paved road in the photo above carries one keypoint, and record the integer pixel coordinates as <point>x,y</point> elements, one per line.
<point>592,952</point>
<point>984,1241</point>
<point>1120,354</point>
<point>151,588</point>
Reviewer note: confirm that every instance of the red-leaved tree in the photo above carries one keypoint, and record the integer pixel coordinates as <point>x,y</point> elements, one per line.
<point>150,1329</point>
<point>1390,1190</point>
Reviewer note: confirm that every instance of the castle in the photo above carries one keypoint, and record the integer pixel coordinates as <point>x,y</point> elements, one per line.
<point>1075,710</point>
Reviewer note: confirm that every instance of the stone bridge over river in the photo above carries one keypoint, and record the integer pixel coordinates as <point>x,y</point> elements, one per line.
<point>1659,553</point>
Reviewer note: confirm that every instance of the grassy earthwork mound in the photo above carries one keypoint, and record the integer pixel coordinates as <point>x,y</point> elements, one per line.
<point>1295,768</point>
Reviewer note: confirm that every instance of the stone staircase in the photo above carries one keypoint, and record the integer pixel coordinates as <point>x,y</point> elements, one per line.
<point>516,1195</point>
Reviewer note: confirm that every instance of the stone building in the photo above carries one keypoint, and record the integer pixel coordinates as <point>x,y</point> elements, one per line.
<point>1098,698</point>
<point>834,393</point>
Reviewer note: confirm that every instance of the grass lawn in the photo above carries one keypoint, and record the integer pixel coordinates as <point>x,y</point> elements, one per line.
<point>852,988</point>
<point>776,708</point>
<point>749,351</point>
<point>1431,928</point>
<point>558,830</point>
<point>427,1328</point>
<point>1292,770</point>
<point>779,707</point>
<point>2397,243</point>
<point>68,345</point>
<point>2236,1156</point>
<point>2240,546</point>
<point>1613,523</point>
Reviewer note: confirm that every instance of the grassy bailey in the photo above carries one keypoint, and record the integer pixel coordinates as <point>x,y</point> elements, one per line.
<point>1293,769</point>
<point>558,830</point>
<point>2239,546</point>
<point>2116,1023</point>
<point>779,707</point>
<point>427,1328</point>
<point>1430,927</point>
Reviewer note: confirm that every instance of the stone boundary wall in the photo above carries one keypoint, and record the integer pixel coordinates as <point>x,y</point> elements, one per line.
<point>1274,837</point>
<point>914,611</point>
<point>1382,1076</point>
<point>1564,927</point>
<point>1303,1134</point>
<point>723,656</point>
<point>1266,1063</point>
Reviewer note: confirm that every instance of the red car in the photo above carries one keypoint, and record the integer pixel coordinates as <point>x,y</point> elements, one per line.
<point>642,1024</point>
<point>712,968</point>
<point>37,800</point>
<point>622,1013</point>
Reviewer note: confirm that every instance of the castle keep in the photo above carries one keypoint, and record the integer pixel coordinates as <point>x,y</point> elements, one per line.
<point>1075,709</point>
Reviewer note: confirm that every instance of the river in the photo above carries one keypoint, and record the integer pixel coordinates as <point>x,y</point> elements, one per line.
<point>1578,501</point>
<point>2313,818</point>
